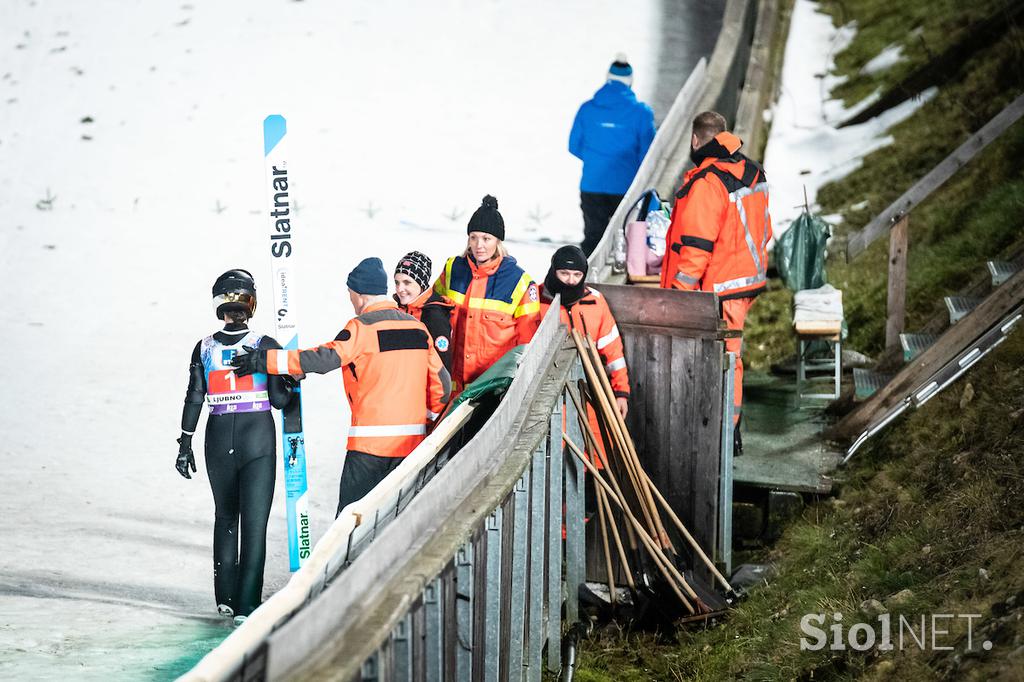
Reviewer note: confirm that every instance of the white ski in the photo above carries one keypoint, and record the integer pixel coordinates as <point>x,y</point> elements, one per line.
<point>282,247</point>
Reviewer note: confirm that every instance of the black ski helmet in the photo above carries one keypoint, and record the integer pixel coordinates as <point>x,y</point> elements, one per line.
<point>234,290</point>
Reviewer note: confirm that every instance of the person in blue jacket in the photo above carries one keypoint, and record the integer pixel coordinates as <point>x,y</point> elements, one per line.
<point>610,135</point>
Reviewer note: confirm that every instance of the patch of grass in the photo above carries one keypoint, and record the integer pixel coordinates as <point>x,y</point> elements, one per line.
<point>933,507</point>
<point>975,216</point>
<point>921,29</point>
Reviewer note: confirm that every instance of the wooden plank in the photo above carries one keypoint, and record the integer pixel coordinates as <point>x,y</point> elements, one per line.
<point>896,297</point>
<point>676,489</point>
<point>696,310</point>
<point>977,322</point>
<point>707,458</point>
<point>660,403</point>
<point>636,419</point>
<point>935,178</point>
<point>686,332</point>
<point>749,124</point>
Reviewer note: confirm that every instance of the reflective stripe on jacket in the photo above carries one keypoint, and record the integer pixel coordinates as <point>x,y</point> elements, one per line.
<point>394,379</point>
<point>720,227</point>
<point>497,308</point>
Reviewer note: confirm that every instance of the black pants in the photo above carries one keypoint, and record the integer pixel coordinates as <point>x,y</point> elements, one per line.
<point>241,465</point>
<point>361,473</point>
<point>597,211</point>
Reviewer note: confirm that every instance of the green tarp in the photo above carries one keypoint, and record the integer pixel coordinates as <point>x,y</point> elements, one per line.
<point>800,253</point>
<point>496,379</point>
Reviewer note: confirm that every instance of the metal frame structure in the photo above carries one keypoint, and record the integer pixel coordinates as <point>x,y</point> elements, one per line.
<point>941,379</point>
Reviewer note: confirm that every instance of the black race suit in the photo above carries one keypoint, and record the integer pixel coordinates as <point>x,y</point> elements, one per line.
<point>241,459</point>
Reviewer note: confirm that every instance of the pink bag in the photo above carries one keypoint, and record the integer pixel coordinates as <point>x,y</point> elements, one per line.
<point>640,260</point>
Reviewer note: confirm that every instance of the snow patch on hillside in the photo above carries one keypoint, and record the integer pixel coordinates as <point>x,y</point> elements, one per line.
<point>806,149</point>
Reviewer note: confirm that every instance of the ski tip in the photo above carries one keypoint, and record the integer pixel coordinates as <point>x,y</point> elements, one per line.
<point>274,129</point>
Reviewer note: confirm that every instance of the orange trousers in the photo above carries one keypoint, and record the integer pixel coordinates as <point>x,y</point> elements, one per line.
<point>734,312</point>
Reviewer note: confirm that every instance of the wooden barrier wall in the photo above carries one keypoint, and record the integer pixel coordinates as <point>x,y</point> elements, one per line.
<point>674,352</point>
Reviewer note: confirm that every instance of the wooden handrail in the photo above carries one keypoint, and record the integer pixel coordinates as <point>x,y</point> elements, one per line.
<point>935,178</point>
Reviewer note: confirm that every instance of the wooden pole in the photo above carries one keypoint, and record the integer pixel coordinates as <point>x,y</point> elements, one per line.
<point>630,452</point>
<point>592,439</point>
<point>605,545</point>
<point>674,577</point>
<point>585,428</point>
<point>689,538</point>
<point>606,410</point>
<point>896,300</point>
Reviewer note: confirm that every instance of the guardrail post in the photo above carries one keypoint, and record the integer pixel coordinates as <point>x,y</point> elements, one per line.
<point>575,531</point>
<point>725,473</point>
<point>464,612</point>
<point>433,632</point>
<point>401,650</point>
<point>369,670</point>
<point>534,633</point>
<point>492,598</point>
<point>517,601</point>
<point>556,460</point>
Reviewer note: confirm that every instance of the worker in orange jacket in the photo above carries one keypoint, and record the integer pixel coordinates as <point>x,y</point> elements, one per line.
<point>497,305</point>
<point>719,234</point>
<point>586,310</point>
<point>394,379</point>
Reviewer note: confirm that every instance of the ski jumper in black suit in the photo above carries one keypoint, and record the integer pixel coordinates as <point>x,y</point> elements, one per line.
<point>241,449</point>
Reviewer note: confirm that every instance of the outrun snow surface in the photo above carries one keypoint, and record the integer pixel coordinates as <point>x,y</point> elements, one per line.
<point>130,134</point>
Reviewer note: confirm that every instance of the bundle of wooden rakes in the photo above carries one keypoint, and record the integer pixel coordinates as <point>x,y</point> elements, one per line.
<point>622,481</point>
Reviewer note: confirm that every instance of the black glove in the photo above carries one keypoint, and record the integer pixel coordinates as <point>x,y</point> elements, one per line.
<point>254,361</point>
<point>185,457</point>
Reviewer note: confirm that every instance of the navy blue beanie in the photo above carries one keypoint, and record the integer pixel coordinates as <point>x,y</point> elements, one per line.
<point>369,278</point>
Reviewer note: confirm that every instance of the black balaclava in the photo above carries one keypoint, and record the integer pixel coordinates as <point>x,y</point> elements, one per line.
<point>568,257</point>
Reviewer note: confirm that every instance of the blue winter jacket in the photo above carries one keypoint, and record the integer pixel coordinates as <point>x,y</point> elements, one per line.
<point>611,135</point>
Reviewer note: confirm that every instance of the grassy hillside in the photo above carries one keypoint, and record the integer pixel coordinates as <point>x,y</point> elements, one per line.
<point>930,518</point>
<point>931,521</point>
<point>975,216</point>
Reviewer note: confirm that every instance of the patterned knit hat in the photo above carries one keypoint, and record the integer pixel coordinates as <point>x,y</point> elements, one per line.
<point>620,70</point>
<point>417,266</point>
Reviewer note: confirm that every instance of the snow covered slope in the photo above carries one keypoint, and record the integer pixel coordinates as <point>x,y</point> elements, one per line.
<point>130,140</point>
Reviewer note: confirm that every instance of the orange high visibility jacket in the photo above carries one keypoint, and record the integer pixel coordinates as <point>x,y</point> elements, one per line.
<point>720,225</point>
<point>394,380</point>
<point>592,316</point>
<point>497,308</point>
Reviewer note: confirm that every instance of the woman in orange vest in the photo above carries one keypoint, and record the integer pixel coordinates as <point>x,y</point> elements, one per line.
<point>497,305</point>
<point>586,310</point>
<point>415,296</point>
